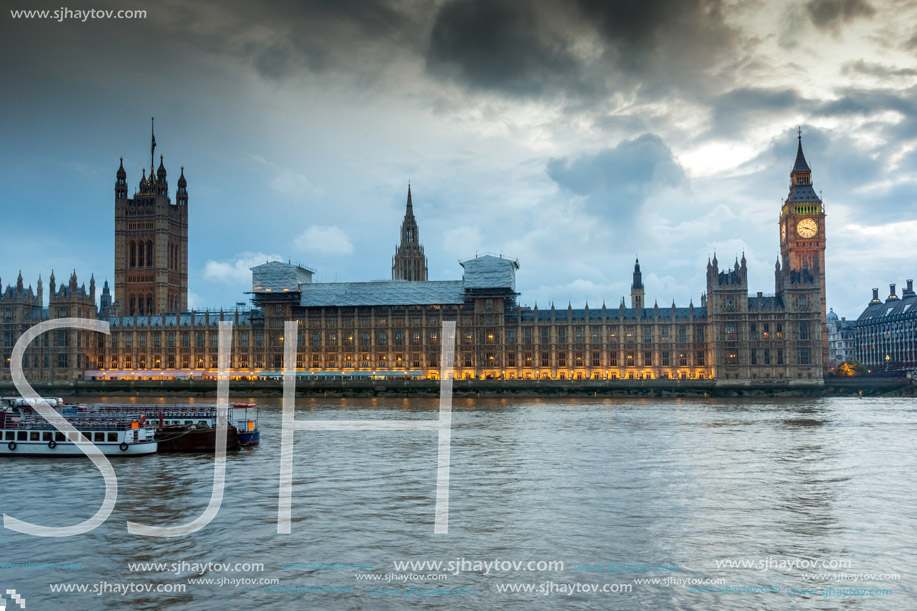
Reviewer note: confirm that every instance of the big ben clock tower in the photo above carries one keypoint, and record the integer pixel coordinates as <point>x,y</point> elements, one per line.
<point>802,229</point>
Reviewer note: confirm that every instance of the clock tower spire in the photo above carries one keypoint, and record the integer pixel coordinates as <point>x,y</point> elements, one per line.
<point>802,229</point>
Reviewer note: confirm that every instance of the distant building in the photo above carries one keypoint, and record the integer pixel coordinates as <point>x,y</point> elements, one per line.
<point>886,331</point>
<point>841,340</point>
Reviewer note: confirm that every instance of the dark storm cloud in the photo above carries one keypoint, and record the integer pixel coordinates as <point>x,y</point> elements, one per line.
<point>650,34</point>
<point>874,69</point>
<point>499,45</point>
<point>529,49</point>
<point>871,102</point>
<point>617,181</point>
<point>287,38</point>
<point>733,111</point>
<point>830,14</point>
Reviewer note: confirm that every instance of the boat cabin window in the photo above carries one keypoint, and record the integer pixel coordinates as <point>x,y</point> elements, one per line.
<point>203,423</point>
<point>112,437</point>
<point>99,437</point>
<point>22,436</point>
<point>47,436</point>
<point>189,422</point>
<point>10,435</point>
<point>34,436</point>
<point>59,437</point>
<point>74,437</point>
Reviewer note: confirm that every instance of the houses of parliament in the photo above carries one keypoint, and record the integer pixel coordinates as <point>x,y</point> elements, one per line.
<point>392,329</point>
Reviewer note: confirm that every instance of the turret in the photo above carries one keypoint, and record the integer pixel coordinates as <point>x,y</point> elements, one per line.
<point>636,287</point>
<point>161,172</point>
<point>121,182</point>
<point>181,196</point>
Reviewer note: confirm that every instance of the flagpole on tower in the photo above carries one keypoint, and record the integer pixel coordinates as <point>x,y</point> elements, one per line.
<point>153,142</point>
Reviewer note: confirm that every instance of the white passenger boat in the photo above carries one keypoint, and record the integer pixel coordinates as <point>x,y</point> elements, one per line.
<point>26,434</point>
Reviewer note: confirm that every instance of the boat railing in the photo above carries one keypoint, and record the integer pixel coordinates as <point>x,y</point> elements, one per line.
<point>155,410</point>
<point>95,424</point>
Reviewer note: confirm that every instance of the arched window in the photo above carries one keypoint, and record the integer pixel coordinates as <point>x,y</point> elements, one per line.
<point>149,253</point>
<point>149,304</point>
<point>133,305</point>
<point>140,254</point>
<point>133,254</point>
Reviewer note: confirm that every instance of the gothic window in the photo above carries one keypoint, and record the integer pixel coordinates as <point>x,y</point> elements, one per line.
<point>149,253</point>
<point>133,254</point>
<point>140,250</point>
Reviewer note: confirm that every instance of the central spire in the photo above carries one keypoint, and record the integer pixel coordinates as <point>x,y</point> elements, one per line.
<point>409,262</point>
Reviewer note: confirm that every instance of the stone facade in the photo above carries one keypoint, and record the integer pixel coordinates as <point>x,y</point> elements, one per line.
<point>151,245</point>
<point>58,355</point>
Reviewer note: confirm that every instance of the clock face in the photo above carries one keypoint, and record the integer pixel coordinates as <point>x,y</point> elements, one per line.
<point>782,233</point>
<point>807,228</point>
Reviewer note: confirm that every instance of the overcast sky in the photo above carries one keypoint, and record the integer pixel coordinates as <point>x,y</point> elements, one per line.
<point>571,135</point>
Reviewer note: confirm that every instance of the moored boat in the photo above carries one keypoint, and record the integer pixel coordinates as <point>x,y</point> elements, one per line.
<point>31,435</point>
<point>179,428</point>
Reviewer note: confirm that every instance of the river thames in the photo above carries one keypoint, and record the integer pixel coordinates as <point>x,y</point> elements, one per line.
<point>575,504</point>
